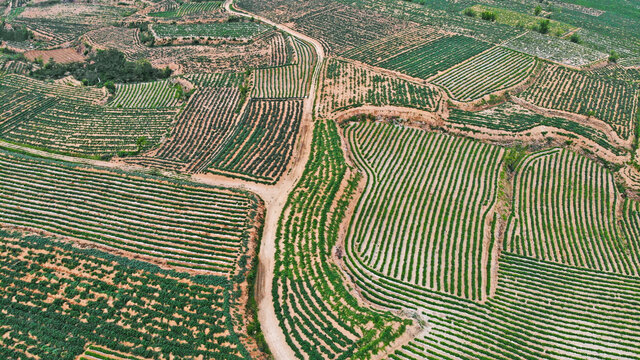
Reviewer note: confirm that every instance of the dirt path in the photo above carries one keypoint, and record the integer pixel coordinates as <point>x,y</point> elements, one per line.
<point>275,197</point>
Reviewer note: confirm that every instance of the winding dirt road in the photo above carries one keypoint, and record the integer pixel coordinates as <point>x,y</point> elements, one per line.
<point>275,198</point>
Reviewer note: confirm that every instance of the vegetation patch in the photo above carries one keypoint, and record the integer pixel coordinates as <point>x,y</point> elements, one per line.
<point>521,20</point>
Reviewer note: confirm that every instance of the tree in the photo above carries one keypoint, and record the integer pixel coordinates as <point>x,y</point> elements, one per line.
<point>488,15</point>
<point>110,87</point>
<point>142,142</point>
<point>575,38</point>
<point>544,26</point>
<point>613,56</point>
<point>470,12</point>
<point>537,10</point>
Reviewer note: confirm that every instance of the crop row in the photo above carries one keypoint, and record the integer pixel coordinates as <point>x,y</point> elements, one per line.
<point>80,93</point>
<point>491,71</point>
<point>434,56</point>
<point>261,144</point>
<point>221,79</point>
<point>67,119</point>
<point>319,316</point>
<point>289,80</point>
<point>340,27</point>
<point>282,49</point>
<point>565,211</point>
<point>86,129</point>
<point>376,52</point>
<point>206,122</point>
<point>97,352</point>
<point>613,101</point>
<point>57,299</point>
<point>541,310</point>
<point>188,9</point>
<point>346,85</point>
<point>216,30</point>
<point>423,215</point>
<point>157,94</point>
<point>181,225</point>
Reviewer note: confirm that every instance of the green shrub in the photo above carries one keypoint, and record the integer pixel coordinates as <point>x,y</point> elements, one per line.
<point>489,16</point>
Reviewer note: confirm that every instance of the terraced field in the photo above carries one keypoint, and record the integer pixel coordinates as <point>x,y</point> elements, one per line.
<point>157,94</point>
<point>347,85</point>
<point>434,56</point>
<point>554,49</point>
<point>541,310</point>
<point>613,101</point>
<point>510,117</point>
<point>287,81</point>
<point>262,142</point>
<point>67,119</point>
<point>181,225</point>
<point>423,215</point>
<point>97,352</point>
<point>565,212</point>
<point>215,30</point>
<point>403,180</point>
<point>491,71</point>
<point>318,314</point>
<point>376,52</point>
<point>206,122</point>
<point>57,298</point>
<point>186,9</point>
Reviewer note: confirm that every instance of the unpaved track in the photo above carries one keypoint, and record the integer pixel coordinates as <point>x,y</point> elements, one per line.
<point>275,197</point>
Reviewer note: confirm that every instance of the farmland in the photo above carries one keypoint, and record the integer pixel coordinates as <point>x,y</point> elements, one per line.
<point>610,100</point>
<point>375,52</point>
<point>564,212</point>
<point>117,211</point>
<point>90,296</point>
<point>320,179</point>
<point>554,49</point>
<point>517,19</point>
<point>188,9</point>
<point>407,234</point>
<point>216,30</point>
<point>206,122</point>
<point>158,94</point>
<point>262,142</point>
<point>491,71</point>
<point>549,302</point>
<point>284,81</point>
<point>347,85</point>
<point>343,28</point>
<point>66,119</point>
<point>514,118</point>
<point>441,53</point>
<point>320,315</point>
